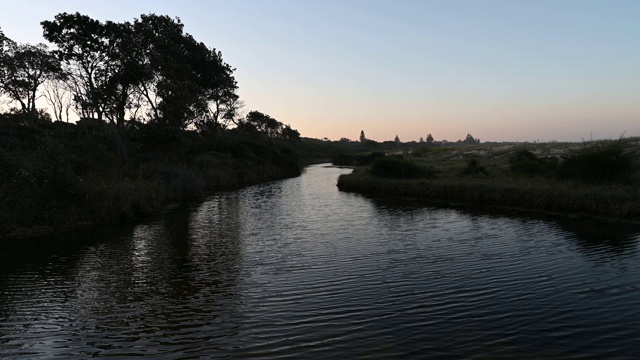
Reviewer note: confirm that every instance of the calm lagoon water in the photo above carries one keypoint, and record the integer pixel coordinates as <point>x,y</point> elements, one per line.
<point>296,269</point>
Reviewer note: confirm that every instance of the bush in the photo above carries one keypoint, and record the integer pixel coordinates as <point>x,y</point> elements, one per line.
<point>357,160</point>
<point>601,165</point>
<point>159,137</point>
<point>369,158</point>
<point>394,168</point>
<point>526,162</point>
<point>474,168</point>
<point>420,151</point>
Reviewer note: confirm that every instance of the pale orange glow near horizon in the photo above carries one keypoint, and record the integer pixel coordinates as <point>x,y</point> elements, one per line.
<point>501,70</point>
<point>573,119</point>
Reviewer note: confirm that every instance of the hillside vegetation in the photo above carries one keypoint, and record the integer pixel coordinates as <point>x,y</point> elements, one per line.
<point>56,176</point>
<point>597,178</point>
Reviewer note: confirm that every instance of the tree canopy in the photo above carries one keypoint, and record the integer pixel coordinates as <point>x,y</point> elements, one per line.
<point>149,64</point>
<point>148,70</point>
<point>23,68</point>
<point>257,122</point>
<point>471,140</point>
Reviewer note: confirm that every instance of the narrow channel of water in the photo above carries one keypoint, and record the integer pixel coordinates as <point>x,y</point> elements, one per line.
<point>296,269</point>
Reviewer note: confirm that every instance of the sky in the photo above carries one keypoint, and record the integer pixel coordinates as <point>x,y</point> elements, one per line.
<point>530,70</point>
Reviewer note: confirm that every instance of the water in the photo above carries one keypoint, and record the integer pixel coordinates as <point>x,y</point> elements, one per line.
<point>296,269</point>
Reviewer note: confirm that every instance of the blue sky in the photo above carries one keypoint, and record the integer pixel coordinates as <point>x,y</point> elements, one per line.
<point>500,70</point>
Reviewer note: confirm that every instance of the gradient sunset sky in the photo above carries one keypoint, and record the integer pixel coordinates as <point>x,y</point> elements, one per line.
<point>500,70</point>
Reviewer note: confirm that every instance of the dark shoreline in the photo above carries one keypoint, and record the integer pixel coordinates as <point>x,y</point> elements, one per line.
<point>44,230</point>
<point>597,179</point>
<point>545,199</point>
<point>56,178</point>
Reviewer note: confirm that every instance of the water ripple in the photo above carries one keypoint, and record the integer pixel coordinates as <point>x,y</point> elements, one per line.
<point>295,269</point>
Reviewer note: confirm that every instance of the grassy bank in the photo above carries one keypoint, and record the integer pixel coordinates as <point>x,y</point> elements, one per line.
<point>58,176</point>
<point>593,179</point>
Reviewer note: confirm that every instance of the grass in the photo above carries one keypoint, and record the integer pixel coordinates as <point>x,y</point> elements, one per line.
<point>596,179</point>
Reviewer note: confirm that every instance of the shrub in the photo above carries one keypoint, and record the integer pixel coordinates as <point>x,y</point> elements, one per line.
<point>369,158</point>
<point>420,151</point>
<point>159,137</point>
<point>394,168</point>
<point>343,160</point>
<point>608,164</point>
<point>357,160</point>
<point>526,162</point>
<point>474,168</point>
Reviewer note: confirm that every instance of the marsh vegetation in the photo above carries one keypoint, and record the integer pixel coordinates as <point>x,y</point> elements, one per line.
<point>598,178</point>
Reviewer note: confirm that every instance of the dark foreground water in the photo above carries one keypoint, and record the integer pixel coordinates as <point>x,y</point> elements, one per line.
<point>296,269</point>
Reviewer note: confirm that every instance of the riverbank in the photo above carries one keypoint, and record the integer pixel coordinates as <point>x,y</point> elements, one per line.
<point>307,254</point>
<point>598,179</point>
<point>58,177</point>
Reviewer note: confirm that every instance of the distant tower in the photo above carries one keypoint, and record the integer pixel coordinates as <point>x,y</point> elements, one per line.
<point>362,138</point>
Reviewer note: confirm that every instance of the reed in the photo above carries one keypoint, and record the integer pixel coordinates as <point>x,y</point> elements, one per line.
<point>618,202</point>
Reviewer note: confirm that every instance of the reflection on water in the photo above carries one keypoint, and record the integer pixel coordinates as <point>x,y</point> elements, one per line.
<point>297,269</point>
<point>602,238</point>
<point>615,239</point>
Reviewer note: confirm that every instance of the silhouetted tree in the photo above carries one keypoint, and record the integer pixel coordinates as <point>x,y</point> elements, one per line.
<point>150,63</point>
<point>421,139</point>
<point>58,97</point>
<point>187,82</point>
<point>220,88</point>
<point>84,46</point>
<point>429,139</point>
<point>4,41</point>
<point>362,137</point>
<point>470,140</point>
<point>397,140</point>
<point>127,71</point>
<point>257,122</point>
<point>103,64</point>
<point>25,68</point>
<point>290,134</point>
<point>263,123</point>
<point>170,89</point>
